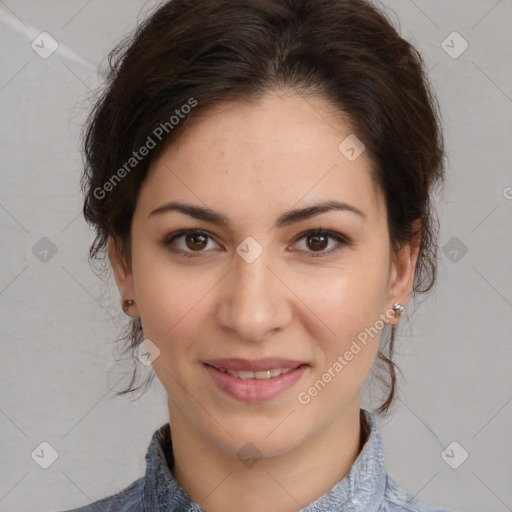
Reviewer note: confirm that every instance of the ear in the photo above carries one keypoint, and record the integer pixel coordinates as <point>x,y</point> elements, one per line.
<point>123,274</point>
<point>403,266</point>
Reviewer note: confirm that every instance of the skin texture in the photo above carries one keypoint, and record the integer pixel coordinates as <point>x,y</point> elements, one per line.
<point>252,162</point>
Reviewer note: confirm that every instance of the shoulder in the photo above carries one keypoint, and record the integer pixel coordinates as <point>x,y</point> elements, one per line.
<point>127,500</point>
<point>399,500</point>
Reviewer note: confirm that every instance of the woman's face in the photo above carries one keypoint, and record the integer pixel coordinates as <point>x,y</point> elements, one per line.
<point>259,286</point>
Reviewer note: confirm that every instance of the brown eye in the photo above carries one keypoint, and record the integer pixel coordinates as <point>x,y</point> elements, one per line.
<point>196,241</point>
<point>188,242</point>
<point>193,242</point>
<point>317,242</point>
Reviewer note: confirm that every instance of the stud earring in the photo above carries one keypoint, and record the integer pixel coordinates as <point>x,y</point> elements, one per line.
<point>398,309</point>
<point>127,304</point>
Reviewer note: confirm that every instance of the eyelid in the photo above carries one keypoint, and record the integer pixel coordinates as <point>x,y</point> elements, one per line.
<point>330,234</point>
<point>182,232</point>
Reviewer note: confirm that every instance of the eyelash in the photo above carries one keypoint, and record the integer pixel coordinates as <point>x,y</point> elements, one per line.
<point>318,232</point>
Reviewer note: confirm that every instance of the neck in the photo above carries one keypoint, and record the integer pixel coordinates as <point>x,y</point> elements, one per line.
<point>219,482</point>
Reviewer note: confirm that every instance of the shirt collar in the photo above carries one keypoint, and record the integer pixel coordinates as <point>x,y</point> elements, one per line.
<point>362,489</point>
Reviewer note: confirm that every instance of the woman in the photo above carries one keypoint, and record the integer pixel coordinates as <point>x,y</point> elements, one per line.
<point>260,173</point>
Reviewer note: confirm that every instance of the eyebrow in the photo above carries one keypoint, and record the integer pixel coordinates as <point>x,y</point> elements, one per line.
<point>286,219</point>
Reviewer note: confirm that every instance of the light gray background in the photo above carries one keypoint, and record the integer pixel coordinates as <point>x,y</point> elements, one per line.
<point>59,321</point>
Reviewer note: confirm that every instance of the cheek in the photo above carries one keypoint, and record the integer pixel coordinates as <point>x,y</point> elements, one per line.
<point>169,307</point>
<point>351,307</point>
<point>172,301</point>
<point>350,302</point>
<point>348,298</point>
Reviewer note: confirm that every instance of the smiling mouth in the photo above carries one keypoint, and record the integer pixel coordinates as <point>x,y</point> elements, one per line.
<point>255,381</point>
<point>263,368</point>
<point>260,375</point>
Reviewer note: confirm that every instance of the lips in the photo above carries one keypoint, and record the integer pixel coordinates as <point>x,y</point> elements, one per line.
<point>255,390</point>
<point>255,365</point>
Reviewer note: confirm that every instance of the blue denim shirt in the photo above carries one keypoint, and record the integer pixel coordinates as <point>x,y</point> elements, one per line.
<point>366,488</point>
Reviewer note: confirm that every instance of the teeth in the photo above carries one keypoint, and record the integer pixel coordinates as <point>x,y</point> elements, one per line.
<point>265,374</point>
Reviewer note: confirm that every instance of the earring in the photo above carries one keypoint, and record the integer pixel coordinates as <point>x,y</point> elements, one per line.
<point>398,309</point>
<point>127,304</point>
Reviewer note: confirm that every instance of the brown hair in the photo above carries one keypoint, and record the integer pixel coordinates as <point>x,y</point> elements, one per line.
<point>200,52</point>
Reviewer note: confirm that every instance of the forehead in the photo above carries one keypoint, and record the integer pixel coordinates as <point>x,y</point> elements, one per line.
<point>275,152</point>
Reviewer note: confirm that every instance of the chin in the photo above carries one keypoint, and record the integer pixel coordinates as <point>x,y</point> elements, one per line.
<point>267,435</point>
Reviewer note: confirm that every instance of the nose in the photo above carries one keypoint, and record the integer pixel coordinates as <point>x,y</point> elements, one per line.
<point>254,302</point>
